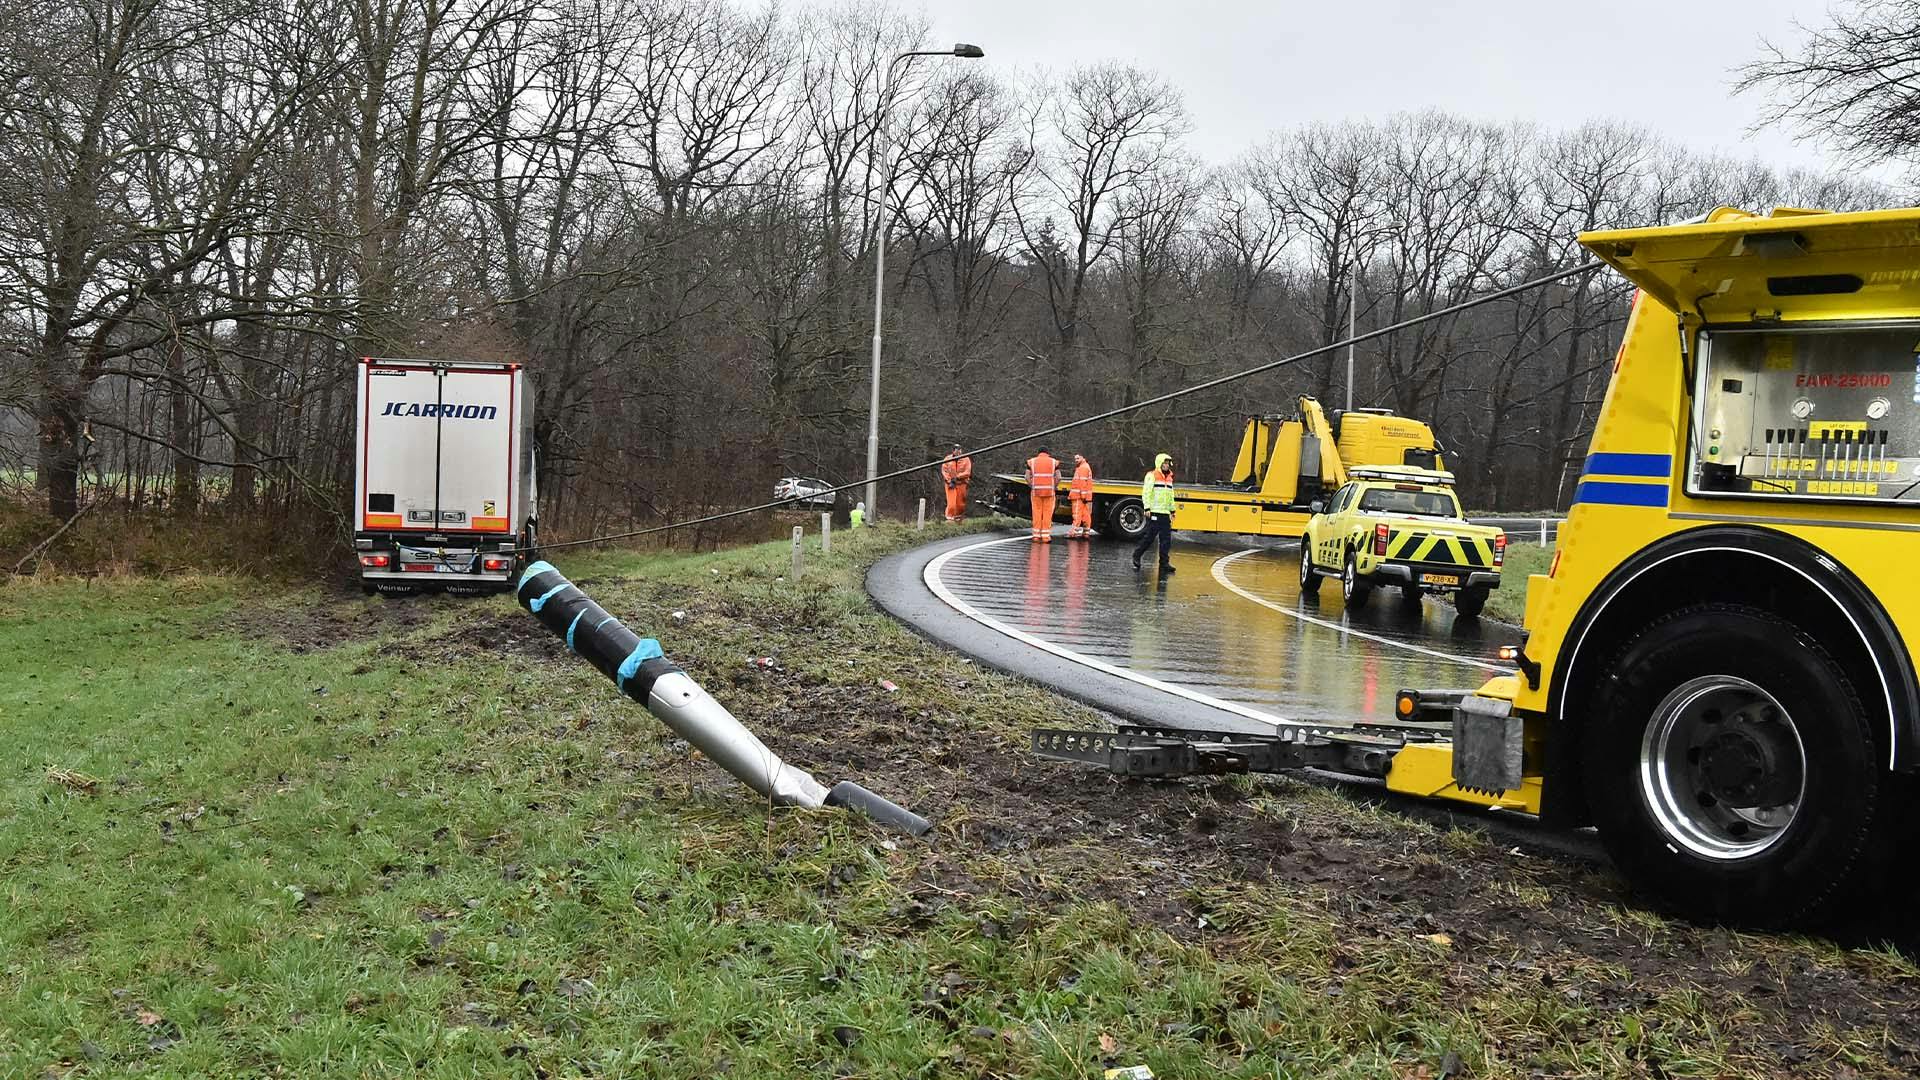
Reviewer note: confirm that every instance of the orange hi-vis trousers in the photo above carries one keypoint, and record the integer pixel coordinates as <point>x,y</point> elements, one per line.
<point>957,501</point>
<point>1082,515</point>
<point>1043,515</point>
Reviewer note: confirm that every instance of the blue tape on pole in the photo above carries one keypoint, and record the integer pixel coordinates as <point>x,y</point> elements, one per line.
<point>646,650</point>
<point>535,569</point>
<point>576,622</point>
<point>541,600</point>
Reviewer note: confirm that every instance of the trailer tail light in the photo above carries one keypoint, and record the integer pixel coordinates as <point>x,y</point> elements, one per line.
<point>1500,549</point>
<point>497,563</point>
<point>375,561</point>
<point>1380,539</point>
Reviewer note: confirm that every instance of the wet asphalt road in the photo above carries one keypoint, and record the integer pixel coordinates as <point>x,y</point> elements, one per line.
<point>1230,627</point>
<point>1192,652</point>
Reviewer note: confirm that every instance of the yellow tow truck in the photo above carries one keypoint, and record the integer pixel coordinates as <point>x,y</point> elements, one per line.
<point>1400,526</point>
<point>1285,464</point>
<point>1717,672</point>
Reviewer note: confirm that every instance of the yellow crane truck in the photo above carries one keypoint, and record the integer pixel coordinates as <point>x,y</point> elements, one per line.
<point>1285,464</point>
<point>1716,671</point>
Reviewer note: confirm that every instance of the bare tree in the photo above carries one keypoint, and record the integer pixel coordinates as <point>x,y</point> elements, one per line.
<point>1853,84</point>
<point>1093,137</point>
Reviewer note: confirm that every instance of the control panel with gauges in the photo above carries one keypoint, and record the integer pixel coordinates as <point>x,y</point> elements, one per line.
<point>1816,412</point>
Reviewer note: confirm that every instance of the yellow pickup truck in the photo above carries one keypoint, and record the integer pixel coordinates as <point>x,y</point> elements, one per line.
<point>1400,527</point>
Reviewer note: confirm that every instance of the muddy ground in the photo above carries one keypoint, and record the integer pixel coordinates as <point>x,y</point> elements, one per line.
<point>1508,917</point>
<point>1515,917</point>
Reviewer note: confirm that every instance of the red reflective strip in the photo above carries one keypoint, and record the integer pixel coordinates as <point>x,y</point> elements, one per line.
<point>419,567</point>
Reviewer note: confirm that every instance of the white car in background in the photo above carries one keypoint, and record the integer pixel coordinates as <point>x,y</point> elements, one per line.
<point>810,491</point>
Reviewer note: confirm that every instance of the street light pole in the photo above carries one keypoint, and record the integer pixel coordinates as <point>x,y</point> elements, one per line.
<point>1353,303</point>
<point>970,52</point>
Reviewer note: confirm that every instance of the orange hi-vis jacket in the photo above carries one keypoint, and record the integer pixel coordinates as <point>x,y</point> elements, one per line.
<point>1046,474</point>
<point>1082,490</point>
<point>956,470</point>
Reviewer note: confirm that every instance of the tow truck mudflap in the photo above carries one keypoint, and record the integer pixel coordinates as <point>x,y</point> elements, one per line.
<point>1483,760</point>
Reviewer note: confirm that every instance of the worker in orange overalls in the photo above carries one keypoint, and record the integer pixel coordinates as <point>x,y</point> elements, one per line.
<point>1081,496</point>
<point>956,471</point>
<point>1043,481</point>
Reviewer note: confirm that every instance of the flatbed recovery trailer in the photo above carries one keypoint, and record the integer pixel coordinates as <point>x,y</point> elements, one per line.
<point>1718,671</point>
<point>1285,464</point>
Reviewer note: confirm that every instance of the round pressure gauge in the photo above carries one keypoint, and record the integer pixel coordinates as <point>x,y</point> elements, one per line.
<point>1877,409</point>
<point>1802,408</point>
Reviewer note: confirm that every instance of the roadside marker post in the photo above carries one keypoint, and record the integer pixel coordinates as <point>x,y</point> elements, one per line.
<point>920,520</point>
<point>826,534</point>
<point>799,537</point>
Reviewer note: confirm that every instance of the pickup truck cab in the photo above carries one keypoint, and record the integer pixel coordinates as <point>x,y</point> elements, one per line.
<point>1389,526</point>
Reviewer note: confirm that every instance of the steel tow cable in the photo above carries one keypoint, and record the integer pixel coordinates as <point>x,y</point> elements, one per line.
<point>1465,305</point>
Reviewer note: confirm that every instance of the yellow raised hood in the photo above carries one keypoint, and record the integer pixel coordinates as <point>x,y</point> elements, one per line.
<point>1792,264</point>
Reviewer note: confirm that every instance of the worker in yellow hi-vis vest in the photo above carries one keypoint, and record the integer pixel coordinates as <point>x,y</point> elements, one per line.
<point>1156,494</point>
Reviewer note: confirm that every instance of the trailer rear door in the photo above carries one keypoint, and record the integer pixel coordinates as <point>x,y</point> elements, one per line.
<point>438,445</point>
<point>477,430</point>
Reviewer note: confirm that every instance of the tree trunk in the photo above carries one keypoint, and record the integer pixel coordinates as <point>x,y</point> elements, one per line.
<point>60,455</point>
<point>186,471</point>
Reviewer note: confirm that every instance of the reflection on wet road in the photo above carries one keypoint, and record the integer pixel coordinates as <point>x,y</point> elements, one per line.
<point>1230,626</point>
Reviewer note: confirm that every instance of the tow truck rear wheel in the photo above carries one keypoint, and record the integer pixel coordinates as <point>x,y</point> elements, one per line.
<point>1309,579</point>
<point>1470,602</point>
<point>1127,519</point>
<point>1733,772</point>
<point>1354,589</point>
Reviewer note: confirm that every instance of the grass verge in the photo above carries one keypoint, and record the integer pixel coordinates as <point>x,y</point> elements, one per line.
<point>253,830</point>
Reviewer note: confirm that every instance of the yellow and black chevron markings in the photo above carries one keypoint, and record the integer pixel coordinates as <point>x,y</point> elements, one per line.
<point>1434,548</point>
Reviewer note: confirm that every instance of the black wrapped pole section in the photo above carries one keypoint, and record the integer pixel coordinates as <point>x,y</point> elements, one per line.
<point>640,671</point>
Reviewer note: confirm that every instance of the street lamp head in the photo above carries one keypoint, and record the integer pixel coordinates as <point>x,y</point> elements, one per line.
<point>971,52</point>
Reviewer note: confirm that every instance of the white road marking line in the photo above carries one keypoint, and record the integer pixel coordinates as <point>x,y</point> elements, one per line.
<point>1220,575</point>
<point>932,577</point>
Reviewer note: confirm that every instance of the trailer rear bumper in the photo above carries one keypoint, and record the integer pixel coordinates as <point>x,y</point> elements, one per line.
<point>438,580</point>
<point>391,564</point>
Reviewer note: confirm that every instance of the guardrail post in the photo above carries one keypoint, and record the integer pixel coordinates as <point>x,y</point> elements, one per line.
<point>920,522</point>
<point>799,535</point>
<point>1543,532</point>
<point>826,534</point>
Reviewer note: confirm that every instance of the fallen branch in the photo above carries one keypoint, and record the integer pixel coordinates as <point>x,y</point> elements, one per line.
<point>72,780</point>
<point>44,544</point>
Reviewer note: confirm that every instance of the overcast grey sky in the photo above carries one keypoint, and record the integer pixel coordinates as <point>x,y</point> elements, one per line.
<point>1248,67</point>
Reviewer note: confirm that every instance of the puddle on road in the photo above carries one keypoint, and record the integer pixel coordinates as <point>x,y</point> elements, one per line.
<point>1190,630</point>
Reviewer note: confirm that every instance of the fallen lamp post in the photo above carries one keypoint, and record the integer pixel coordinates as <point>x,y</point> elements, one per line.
<point>642,672</point>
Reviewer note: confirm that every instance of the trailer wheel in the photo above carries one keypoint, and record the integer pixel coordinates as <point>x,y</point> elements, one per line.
<point>1353,588</point>
<point>1127,519</point>
<point>1733,772</point>
<point>1309,579</point>
<point>1471,602</point>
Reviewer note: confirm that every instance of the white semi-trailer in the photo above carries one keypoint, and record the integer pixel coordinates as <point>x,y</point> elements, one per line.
<point>443,475</point>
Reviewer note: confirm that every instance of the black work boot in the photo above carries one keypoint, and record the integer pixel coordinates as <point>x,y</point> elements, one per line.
<point>1136,562</point>
<point>1167,568</point>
